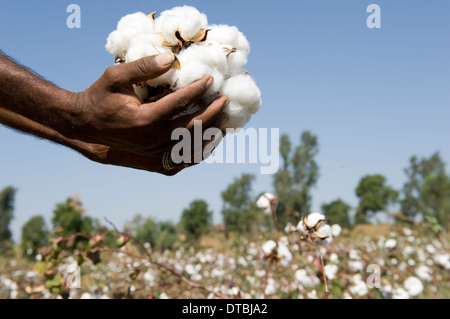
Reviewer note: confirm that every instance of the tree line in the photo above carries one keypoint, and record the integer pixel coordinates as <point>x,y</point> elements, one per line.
<point>425,196</point>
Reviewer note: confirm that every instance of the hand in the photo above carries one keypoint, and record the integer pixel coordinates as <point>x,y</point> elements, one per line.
<point>109,112</point>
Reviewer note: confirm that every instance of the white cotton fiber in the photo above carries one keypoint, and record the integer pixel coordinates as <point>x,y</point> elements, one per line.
<point>231,38</point>
<point>201,49</point>
<point>237,115</point>
<point>187,20</point>
<point>128,27</point>
<point>243,90</point>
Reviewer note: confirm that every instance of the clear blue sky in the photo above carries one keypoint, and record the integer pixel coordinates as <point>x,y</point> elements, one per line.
<point>374,97</point>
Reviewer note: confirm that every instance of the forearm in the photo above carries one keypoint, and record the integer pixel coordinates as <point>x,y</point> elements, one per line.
<point>31,97</point>
<point>26,125</point>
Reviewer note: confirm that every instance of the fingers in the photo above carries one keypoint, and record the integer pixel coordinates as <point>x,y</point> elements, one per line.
<point>206,115</point>
<point>181,99</point>
<point>140,70</point>
<point>132,160</point>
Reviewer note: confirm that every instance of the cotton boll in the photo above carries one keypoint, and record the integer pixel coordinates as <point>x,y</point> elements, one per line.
<point>191,72</point>
<point>285,255</point>
<point>336,230</point>
<point>237,115</point>
<point>314,218</point>
<point>128,27</point>
<point>390,244</point>
<point>331,271</point>
<point>355,265</point>
<point>212,56</point>
<point>301,227</point>
<point>271,287</point>
<point>414,286</point>
<point>325,230</point>
<point>168,78</point>
<point>359,288</point>
<point>116,43</point>
<point>264,200</point>
<point>424,273</point>
<point>187,20</point>
<point>400,293</point>
<point>228,36</point>
<point>302,277</point>
<point>144,45</point>
<point>264,203</point>
<point>268,247</point>
<point>243,90</point>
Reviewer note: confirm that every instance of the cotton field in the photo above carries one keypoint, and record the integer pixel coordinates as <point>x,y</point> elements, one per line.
<point>401,265</point>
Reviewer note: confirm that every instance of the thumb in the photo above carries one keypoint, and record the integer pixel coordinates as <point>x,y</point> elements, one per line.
<point>143,69</point>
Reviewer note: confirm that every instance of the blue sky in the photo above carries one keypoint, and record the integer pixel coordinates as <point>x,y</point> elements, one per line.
<point>374,97</point>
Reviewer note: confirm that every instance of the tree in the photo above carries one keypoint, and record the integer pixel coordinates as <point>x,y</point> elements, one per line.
<point>374,197</point>
<point>436,196</point>
<point>6,215</point>
<point>337,212</point>
<point>167,235</point>
<point>34,236</point>
<point>412,204</point>
<point>196,219</point>
<point>160,235</point>
<point>239,210</point>
<point>300,172</point>
<point>70,216</point>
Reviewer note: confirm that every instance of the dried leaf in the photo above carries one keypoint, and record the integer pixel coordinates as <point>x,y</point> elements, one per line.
<point>152,15</point>
<point>94,256</point>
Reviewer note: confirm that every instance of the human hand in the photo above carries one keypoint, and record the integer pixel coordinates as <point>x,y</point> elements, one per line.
<point>109,113</point>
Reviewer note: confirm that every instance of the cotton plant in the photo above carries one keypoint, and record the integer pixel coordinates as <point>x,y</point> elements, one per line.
<point>312,228</point>
<point>200,49</point>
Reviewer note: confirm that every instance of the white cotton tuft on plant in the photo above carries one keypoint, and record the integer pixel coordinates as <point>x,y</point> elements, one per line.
<point>264,202</point>
<point>314,218</point>
<point>325,230</point>
<point>129,27</point>
<point>218,50</point>
<point>400,293</point>
<point>268,247</point>
<point>390,244</point>
<point>284,254</point>
<point>424,273</point>
<point>187,20</point>
<point>331,271</point>
<point>414,286</point>
<point>306,280</point>
<point>336,230</point>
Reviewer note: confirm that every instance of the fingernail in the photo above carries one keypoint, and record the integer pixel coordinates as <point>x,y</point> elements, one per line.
<point>165,59</point>
<point>225,104</point>
<point>210,81</point>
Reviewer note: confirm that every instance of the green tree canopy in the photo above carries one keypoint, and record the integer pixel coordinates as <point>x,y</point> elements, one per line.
<point>413,203</point>
<point>6,215</point>
<point>337,212</point>
<point>71,216</point>
<point>196,219</point>
<point>34,236</point>
<point>160,235</point>
<point>436,196</point>
<point>374,197</point>
<point>299,174</point>
<point>239,210</point>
